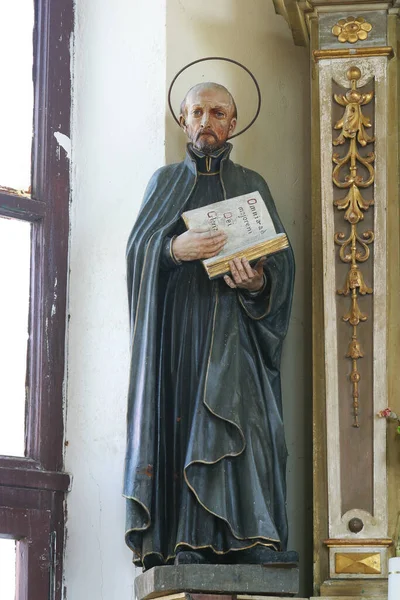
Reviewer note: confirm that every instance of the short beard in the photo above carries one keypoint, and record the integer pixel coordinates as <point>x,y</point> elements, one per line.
<point>207,147</point>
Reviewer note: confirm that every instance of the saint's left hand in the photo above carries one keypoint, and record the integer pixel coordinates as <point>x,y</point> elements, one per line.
<point>244,276</point>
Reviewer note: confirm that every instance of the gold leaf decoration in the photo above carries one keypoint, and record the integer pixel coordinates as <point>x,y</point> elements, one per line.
<point>354,247</point>
<point>354,350</point>
<point>355,281</point>
<point>366,563</point>
<point>351,29</point>
<point>354,204</point>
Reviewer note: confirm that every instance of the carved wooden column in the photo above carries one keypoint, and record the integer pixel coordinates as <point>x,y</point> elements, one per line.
<point>356,287</point>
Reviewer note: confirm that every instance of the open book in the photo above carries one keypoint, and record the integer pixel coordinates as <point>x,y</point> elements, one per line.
<point>248,225</point>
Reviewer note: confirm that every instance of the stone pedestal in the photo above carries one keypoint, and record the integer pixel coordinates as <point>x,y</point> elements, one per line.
<point>226,582</point>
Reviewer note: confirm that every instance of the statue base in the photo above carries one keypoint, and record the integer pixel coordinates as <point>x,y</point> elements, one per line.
<point>228,582</point>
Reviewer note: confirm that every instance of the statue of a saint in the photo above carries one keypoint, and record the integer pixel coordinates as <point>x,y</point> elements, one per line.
<point>206,455</point>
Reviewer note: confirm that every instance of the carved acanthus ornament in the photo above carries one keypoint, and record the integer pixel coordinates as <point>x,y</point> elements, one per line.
<point>354,248</point>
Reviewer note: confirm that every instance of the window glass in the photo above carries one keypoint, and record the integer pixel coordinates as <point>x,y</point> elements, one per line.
<point>7,569</point>
<point>14,306</point>
<point>16,98</point>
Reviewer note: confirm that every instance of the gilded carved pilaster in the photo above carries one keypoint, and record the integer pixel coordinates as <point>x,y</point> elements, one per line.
<point>355,78</point>
<point>354,248</point>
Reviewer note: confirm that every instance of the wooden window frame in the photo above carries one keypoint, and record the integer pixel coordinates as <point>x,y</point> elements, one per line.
<point>32,529</point>
<point>32,488</point>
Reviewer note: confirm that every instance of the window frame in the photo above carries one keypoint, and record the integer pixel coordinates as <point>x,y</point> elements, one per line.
<point>32,530</point>
<point>37,482</point>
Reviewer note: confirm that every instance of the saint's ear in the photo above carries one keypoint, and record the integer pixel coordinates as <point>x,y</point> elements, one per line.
<point>182,122</point>
<point>232,125</point>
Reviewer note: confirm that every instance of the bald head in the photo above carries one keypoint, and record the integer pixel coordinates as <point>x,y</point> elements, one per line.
<point>208,116</point>
<point>208,85</point>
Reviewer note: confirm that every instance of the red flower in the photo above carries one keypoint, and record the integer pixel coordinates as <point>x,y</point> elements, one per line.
<point>385,413</point>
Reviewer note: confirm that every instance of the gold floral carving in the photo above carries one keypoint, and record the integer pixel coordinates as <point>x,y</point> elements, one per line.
<point>354,248</point>
<point>351,30</point>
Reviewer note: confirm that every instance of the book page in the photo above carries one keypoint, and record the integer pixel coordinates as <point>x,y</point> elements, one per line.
<point>245,219</point>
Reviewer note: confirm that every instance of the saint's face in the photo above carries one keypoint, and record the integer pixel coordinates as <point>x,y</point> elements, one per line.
<point>209,118</point>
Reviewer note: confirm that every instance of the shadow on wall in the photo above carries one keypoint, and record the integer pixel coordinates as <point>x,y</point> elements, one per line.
<point>278,147</point>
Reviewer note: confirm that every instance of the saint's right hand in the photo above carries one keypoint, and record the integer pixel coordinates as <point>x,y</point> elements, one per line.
<point>200,243</point>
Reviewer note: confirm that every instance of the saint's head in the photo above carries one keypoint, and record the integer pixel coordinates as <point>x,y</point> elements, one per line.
<point>208,116</point>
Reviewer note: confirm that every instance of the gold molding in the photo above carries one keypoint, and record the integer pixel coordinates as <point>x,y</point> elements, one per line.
<point>294,16</point>
<point>354,589</point>
<point>354,248</point>
<point>320,461</point>
<point>353,52</point>
<point>357,543</point>
<point>393,267</point>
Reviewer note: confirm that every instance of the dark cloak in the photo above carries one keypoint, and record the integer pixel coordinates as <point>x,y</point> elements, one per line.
<point>235,457</point>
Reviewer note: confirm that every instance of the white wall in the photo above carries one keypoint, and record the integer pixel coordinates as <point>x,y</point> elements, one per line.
<point>117,142</point>
<point>123,57</point>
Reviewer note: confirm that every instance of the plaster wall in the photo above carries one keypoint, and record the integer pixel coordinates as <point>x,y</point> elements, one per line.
<point>117,143</point>
<point>125,52</point>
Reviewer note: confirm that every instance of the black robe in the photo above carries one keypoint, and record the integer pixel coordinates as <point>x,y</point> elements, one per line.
<point>206,455</point>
